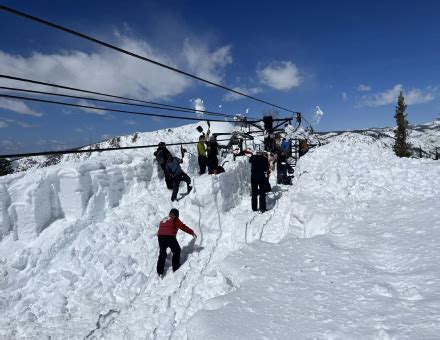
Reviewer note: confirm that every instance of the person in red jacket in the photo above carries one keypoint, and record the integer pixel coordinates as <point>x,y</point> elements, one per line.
<point>167,239</point>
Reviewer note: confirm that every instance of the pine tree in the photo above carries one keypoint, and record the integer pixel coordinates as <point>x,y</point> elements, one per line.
<point>401,147</point>
<point>5,167</point>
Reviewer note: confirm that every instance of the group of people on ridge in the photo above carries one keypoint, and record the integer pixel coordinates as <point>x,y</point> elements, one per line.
<point>207,149</point>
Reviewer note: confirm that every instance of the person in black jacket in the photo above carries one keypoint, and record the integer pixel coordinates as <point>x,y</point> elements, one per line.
<point>212,155</point>
<point>259,168</point>
<point>161,155</point>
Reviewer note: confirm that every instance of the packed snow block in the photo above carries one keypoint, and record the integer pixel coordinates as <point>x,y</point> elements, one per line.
<point>99,182</point>
<point>105,187</point>
<point>5,202</point>
<point>46,203</point>
<point>22,209</point>
<point>72,192</point>
<point>137,175</point>
<point>34,205</point>
<point>116,187</point>
<point>234,184</point>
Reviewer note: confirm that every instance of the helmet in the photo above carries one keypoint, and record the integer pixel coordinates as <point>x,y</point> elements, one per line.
<point>175,212</point>
<point>162,144</point>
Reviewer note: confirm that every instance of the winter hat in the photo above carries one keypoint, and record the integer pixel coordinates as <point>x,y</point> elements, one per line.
<point>175,212</point>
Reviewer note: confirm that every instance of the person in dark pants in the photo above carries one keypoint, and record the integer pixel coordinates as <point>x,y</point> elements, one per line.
<point>282,168</point>
<point>177,174</point>
<point>259,168</point>
<point>161,155</point>
<point>212,155</point>
<point>201,151</point>
<point>166,235</point>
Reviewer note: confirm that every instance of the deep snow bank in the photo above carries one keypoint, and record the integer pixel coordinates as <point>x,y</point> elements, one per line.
<point>364,264</point>
<point>73,236</point>
<point>360,168</point>
<point>79,241</point>
<point>36,200</point>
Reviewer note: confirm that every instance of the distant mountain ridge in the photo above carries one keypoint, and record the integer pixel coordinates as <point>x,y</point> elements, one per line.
<point>423,136</point>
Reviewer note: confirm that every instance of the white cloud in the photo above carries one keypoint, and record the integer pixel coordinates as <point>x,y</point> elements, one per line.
<point>282,75</point>
<point>344,96</point>
<point>416,96</point>
<point>110,72</point>
<point>199,105</point>
<point>207,64</point>
<point>413,96</point>
<point>6,143</point>
<point>130,122</point>
<point>18,106</point>
<point>317,115</point>
<point>9,121</point>
<point>3,124</point>
<point>364,88</point>
<point>86,103</point>
<point>230,96</point>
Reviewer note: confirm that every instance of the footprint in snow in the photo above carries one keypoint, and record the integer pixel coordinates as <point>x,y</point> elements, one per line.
<point>411,294</point>
<point>384,290</point>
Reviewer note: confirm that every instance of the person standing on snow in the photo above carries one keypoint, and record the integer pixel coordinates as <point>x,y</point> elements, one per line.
<point>201,151</point>
<point>259,168</point>
<point>166,235</point>
<point>212,154</point>
<point>161,155</point>
<point>177,174</point>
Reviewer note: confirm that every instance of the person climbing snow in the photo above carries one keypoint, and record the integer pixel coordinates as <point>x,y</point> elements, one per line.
<point>166,235</point>
<point>161,155</point>
<point>259,168</point>
<point>177,174</point>
<point>201,151</point>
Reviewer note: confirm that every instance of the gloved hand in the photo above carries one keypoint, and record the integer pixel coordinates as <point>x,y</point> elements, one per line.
<point>194,235</point>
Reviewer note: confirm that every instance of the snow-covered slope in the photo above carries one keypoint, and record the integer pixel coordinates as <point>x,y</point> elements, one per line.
<point>361,265</point>
<point>424,138</point>
<point>348,251</point>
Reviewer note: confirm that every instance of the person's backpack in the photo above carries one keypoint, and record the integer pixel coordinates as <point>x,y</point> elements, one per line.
<point>285,145</point>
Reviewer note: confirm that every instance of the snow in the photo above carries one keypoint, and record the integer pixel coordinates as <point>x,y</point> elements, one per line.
<point>348,251</point>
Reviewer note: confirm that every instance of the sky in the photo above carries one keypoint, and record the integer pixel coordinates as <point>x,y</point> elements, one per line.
<point>350,58</point>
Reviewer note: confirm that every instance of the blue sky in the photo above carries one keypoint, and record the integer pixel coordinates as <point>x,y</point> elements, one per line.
<point>351,58</point>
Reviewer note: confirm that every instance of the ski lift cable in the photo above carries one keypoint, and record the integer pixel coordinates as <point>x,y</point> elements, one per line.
<point>112,96</point>
<point>113,110</point>
<point>121,50</point>
<point>112,101</point>
<point>66,152</point>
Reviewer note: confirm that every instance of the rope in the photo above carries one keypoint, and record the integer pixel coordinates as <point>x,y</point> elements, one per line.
<point>157,105</point>
<point>66,152</point>
<point>113,110</point>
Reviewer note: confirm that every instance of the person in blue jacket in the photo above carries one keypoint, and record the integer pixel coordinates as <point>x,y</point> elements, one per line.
<point>177,174</point>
